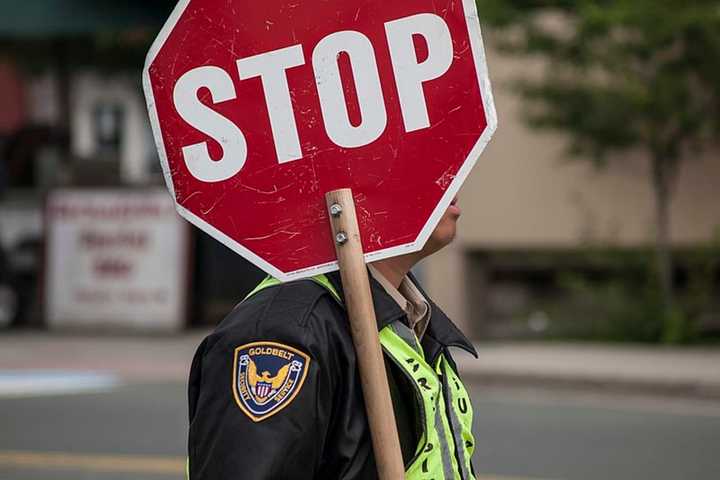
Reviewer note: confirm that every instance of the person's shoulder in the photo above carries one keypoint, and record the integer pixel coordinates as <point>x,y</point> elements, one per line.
<point>288,312</point>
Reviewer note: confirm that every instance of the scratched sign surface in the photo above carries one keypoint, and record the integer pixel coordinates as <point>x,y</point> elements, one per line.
<point>260,108</point>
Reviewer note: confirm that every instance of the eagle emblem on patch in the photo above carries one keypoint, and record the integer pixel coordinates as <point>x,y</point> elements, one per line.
<point>267,376</point>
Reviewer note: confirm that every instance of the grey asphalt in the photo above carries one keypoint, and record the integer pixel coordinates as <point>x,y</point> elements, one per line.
<point>142,419</point>
<point>522,433</point>
<point>596,437</point>
<point>75,407</point>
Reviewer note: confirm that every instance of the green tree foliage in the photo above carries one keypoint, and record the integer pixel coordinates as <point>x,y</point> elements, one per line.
<point>641,75</point>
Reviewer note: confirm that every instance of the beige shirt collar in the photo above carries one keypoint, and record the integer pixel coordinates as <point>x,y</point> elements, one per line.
<point>409,298</point>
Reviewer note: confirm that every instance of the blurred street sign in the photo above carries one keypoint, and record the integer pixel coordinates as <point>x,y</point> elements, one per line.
<point>115,259</point>
<point>259,109</point>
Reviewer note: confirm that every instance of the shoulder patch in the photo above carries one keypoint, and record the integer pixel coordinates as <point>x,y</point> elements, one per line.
<point>267,376</point>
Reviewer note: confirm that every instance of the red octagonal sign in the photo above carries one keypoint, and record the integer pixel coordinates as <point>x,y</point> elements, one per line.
<point>260,108</point>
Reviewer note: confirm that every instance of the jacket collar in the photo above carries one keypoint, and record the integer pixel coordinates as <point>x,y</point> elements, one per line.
<point>441,332</point>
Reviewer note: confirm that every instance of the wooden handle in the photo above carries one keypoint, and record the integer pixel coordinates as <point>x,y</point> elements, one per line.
<point>358,301</point>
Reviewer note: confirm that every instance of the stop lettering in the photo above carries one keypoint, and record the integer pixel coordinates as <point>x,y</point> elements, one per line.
<point>259,108</point>
<point>409,72</point>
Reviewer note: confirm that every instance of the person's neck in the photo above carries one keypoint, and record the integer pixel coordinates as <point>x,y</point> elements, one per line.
<point>396,268</point>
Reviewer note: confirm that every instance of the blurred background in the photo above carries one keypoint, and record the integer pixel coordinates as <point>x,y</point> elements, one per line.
<point>587,267</point>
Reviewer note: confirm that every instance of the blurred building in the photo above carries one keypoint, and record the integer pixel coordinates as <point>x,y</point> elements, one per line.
<point>528,210</point>
<point>109,145</point>
<point>72,115</point>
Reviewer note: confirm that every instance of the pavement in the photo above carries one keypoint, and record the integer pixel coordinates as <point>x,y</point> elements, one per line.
<point>687,372</point>
<point>669,371</point>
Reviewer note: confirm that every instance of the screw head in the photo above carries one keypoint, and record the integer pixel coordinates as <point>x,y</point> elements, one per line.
<point>341,238</point>
<point>335,209</point>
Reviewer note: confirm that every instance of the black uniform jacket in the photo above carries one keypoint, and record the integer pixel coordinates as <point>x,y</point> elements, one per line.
<point>323,432</point>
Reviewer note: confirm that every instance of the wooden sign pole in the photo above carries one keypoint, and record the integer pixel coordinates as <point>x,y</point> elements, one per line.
<point>358,301</point>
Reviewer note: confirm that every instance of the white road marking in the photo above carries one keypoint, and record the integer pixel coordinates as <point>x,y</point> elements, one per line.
<point>40,383</point>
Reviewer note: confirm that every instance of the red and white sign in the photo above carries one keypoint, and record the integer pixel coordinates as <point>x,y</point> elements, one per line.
<point>115,259</point>
<point>260,108</point>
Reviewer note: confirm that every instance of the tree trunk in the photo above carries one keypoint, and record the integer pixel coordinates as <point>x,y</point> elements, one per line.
<point>663,175</point>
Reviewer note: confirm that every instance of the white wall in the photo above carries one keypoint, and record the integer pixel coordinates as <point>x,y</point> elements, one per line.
<point>90,89</point>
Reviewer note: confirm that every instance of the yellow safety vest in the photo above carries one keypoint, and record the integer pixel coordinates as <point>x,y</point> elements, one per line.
<point>446,446</point>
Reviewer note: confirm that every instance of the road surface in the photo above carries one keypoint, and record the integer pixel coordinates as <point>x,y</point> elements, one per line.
<point>82,427</point>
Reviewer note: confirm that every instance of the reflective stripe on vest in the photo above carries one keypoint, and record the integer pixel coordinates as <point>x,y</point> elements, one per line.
<point>322,280</point>
<point>460,415</point>
<point>446,444</point>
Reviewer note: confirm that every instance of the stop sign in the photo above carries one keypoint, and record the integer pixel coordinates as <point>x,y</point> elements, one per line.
<point>260,108</point>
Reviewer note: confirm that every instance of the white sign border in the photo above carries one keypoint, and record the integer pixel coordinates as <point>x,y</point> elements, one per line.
<point>476,43</point>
